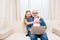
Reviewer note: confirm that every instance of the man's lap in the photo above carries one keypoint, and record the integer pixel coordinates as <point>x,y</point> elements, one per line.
<point>42,36</point>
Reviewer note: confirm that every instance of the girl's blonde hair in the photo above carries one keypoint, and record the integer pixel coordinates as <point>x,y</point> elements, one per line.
<point>25,16</point>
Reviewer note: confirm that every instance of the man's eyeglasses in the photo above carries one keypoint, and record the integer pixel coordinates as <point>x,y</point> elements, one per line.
<point>35,13</point>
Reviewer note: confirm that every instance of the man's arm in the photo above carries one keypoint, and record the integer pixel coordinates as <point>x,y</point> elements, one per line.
<point>42,23</point>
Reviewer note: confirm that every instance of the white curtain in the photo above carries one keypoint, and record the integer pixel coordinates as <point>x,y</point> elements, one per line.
<point>2,13</point>
<point>9,14</point>
<point>42,6</point>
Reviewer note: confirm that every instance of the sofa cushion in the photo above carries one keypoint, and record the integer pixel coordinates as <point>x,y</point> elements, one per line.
<point>5,33</point>
<point>56,30</point>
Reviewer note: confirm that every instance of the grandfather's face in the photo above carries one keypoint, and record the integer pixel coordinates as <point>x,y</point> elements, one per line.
<point>34,13</point>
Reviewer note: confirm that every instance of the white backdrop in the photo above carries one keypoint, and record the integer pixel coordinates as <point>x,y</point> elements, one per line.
<point>41,5</point>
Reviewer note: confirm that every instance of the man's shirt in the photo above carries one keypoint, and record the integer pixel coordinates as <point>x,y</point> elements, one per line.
<point>31,19</point>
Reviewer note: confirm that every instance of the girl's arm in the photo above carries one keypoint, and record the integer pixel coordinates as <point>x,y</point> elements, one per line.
<point>28,22</point>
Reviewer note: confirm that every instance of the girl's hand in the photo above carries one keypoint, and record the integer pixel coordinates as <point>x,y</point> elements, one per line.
<point>30,30</point>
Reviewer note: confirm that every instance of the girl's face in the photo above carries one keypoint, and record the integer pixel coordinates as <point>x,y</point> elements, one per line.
<point>28,14</point>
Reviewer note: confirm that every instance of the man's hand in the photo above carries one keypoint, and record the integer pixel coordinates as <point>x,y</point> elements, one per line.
<point>37,22</point>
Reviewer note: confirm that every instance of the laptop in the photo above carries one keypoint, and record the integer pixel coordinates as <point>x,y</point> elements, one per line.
<point>38,30</point>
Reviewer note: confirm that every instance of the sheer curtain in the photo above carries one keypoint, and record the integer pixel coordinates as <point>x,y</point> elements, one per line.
<point>9,14</point>
<point>55,12</point>
<point>42,6</point>
<point>12,10</point>
<point>2,13</point>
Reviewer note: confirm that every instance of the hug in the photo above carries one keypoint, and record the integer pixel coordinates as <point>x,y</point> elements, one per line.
<point>31,19</point>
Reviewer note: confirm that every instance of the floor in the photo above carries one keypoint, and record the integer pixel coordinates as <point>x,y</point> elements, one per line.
<point>19,36</point>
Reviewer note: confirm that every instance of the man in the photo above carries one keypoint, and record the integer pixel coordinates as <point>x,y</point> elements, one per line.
<point>42,23</point>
